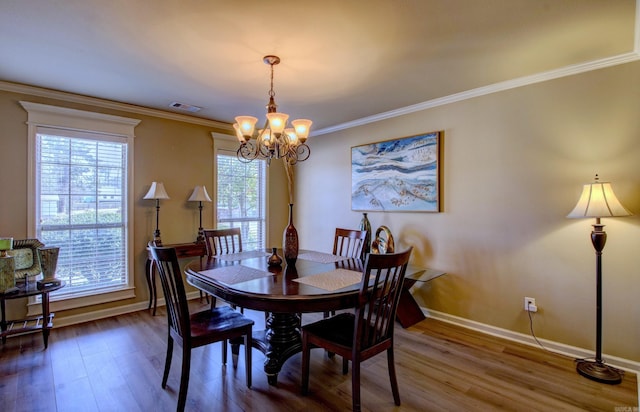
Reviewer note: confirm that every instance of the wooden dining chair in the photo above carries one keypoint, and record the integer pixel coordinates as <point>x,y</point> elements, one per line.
<point>196,329</point>
<point>349,242</point>
<point>368,331</point>
<point>222,242</point>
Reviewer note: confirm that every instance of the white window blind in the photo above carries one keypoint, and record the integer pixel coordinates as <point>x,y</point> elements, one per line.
<point>81,193</point>
<point>241,198</point>
<point>80,199</point>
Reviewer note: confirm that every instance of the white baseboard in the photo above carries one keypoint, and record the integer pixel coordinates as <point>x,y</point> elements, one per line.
<point>567,350</point>
<point>561,348</point>
<point>116,311</point>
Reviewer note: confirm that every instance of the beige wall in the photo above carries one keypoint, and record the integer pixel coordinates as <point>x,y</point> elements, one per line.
<point>513,166</point>
<point>177,153</point>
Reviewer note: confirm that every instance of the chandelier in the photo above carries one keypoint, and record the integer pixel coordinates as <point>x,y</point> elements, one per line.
<point>275,140</point>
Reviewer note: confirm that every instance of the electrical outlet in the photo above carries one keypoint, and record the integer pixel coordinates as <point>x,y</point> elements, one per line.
<point>530,304</point>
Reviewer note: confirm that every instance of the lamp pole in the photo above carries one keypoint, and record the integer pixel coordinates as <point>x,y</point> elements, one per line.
<point>156,234</point>
<point>200,237</point>
<point>598,370</point>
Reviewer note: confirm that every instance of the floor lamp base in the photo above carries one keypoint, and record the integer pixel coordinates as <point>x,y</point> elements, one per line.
<point>599,372</point>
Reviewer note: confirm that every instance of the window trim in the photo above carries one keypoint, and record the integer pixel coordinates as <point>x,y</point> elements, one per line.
<point>54,117</point>
<point>227,143</point>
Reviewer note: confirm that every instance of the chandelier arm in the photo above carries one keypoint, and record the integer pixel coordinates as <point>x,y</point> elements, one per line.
<point>303,152</point>
<point>264,152</point>
<point>247,152</point>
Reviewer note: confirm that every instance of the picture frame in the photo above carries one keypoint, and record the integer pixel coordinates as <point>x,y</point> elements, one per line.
<point>399,175</point>
<point>25,255</point>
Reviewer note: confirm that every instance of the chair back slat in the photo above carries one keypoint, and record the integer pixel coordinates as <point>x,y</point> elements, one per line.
<point>348,242</point>
<point>223,241</point>
<point>166,262</point>
<point>378,298</point>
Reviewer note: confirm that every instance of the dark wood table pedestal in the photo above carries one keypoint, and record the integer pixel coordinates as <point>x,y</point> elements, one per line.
<point>278,342</point>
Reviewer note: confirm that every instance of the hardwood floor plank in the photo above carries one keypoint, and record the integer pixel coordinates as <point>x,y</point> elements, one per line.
<point>116,364</point>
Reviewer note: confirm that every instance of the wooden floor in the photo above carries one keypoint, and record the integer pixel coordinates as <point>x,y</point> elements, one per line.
<point>116,364</point>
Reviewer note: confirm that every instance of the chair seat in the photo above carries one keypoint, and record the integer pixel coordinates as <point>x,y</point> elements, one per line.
<point>220,321</point>
<point>337,329</point>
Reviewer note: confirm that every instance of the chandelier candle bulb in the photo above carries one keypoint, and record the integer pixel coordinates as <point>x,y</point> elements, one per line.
<point>247,125</point>
<point>302,127</point>
<point>277,121</point>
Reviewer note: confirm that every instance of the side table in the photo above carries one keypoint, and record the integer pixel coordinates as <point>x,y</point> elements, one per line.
<point>34,324</point>
<point>408,312</point>
<point>183,250</point>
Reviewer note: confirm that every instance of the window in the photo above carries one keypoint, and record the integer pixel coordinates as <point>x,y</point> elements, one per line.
<point>241,197</point>
<point>79,199</point>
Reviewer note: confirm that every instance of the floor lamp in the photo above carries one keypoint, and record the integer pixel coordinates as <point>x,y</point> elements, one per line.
<point>157,192</point>
<point>598,200</point>
<point>200,195</point>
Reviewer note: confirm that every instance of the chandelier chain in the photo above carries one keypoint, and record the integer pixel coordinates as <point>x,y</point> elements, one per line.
<point>271,92</point>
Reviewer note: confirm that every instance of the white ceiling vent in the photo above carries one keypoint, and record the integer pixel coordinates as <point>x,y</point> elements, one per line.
<point>185,107</point>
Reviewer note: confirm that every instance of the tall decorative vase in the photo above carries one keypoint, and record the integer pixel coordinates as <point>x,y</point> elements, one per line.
<point>365,225</point>
<point>48,257</point>
<point>290,240</point>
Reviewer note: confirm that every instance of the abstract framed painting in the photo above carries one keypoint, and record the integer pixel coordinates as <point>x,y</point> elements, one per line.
<point>401,175</point>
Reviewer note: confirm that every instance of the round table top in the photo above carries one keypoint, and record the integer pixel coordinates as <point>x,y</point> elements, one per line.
<point>277,289</point>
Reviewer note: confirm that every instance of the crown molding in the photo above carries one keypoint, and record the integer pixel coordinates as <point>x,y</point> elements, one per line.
<point>493,88</point>
<point>108,104</point>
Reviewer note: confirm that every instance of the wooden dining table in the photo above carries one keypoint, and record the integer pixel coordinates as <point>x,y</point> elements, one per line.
<point>317,282</point>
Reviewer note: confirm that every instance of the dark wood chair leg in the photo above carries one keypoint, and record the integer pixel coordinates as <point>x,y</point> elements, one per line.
<point>392,376</point>
<point>247,356</point>
<point>235,352</point>
<point>224,352</point>
<point>167,362</point>
<point>304,387</point>
<point>184,378</point>
<point>355,384</point>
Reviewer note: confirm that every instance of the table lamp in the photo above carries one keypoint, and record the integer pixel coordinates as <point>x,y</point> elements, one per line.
<point>200,195</point>
<point>157,192</point>
<point>7,266</point>
<point>598,200</point>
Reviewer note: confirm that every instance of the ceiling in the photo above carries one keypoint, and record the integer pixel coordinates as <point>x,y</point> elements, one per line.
<point>341,60</point>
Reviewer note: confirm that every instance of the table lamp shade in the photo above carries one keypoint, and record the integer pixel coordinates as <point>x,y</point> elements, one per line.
<point>200,195</point>
<point>598,200</point>
<point>156,191</point>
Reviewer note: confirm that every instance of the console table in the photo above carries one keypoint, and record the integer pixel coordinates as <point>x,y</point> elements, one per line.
<point>33,324</point>
<point>183,250</point>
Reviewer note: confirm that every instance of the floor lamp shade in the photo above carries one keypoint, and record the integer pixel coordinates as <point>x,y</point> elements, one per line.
<point>157,192</point>
<point>200,195</point>
<point>596,201</point>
